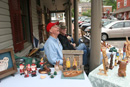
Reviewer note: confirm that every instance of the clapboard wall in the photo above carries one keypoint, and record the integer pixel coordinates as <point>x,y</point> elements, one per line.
<point>5,26</point>
<point>34,19</point>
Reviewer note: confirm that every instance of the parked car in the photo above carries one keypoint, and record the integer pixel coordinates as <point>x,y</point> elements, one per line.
<point>86,20</point>
<point>88,29</point>
<point>84,26</point>
<point>116,29</point>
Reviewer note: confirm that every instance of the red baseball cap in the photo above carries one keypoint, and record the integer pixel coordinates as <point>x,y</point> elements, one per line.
<point>49,25</point>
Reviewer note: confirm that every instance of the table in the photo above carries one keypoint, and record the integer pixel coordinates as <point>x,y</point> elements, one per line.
<point>20,81</point>
<point>112,80</point>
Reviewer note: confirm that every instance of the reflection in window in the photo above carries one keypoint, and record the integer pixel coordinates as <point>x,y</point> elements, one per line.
<point>118,25</point>
<point>127,24</point>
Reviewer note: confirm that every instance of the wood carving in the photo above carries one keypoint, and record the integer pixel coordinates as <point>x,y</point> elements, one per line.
<point>68,63</point>
<point>127,48</point>
<point>122,69</point>
<point>57,66</point>
<point>111,62</point>
<point>64,63</point>
<point>105,63</point>
<point>104,43</point>
<point>32,52</point>
<point>74,64</point>
<point>45,70</point>
<point>72,73</point>
<point>105,58</point>
<point>115,62</point>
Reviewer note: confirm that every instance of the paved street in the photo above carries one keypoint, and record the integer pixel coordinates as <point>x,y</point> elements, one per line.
<point>117,42</point>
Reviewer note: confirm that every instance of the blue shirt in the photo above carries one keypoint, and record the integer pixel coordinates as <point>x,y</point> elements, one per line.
<point>53,50</point>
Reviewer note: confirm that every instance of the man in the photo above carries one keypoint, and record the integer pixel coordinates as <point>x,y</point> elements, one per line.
<point>72,46</point>
<point>53,47</point>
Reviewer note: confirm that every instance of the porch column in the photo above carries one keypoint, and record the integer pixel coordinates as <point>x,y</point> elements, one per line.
<point>95,33</point>
<point>70,21</point>
<point>67,20</point>
<point>76,32</point>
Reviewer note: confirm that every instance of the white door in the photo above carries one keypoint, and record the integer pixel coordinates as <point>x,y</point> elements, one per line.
<point>116,30</point>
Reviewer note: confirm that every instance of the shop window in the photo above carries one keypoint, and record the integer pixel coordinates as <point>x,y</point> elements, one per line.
<point>125,2</point>
<point>118,4</point>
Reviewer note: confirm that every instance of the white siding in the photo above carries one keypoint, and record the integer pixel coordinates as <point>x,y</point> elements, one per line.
<point>5,26</point>
<point>34,19</point>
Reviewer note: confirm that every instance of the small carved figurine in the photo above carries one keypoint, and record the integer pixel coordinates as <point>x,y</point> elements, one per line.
<point>127,48</point>
<point>21,66</point>
<point>74,64</point>
<point>111,62</point>
<point>115,62</point>
<point>104,43</point>
<point>122,69</point>
<point>26,73</point>
<point>64,63</point>
<point>57,66</point>
<point>33,70</point>
<point>41,64</point>
<point>124,51</point>
<point>68,63</point>
<point>28,67</point>
<point>47,69</point>
<point>105,58</point>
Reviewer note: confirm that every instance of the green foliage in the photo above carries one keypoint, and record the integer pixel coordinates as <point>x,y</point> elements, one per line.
<point>72,11</point>
<point>85,0</point>
<point>111,3</point>
<point>87,13</point>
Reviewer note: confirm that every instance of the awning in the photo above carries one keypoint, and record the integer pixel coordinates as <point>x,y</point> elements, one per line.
<point>123,10</point>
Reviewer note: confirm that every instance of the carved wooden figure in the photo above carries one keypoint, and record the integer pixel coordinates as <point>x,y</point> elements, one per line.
<point>57,66</point>
<point>64,63</point>
<point>122,69</point>
<point>111,62</point>
<point>74,64</point>
<point>127,48</point>
<point>68,63</point>
<point>115,62</point>
<point>105,63</point>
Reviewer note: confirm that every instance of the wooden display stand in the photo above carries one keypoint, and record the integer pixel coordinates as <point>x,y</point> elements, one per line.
<point>71,58</point>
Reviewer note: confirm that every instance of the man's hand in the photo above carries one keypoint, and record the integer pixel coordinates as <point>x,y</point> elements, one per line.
<point>74,45</point>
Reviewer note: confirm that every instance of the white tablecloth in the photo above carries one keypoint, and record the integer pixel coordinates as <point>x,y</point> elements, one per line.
<point>112,80</point>
<point>20,81</point>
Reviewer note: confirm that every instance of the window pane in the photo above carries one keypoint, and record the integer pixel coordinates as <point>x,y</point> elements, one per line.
<point>118,25</point>
<point>127,24</point>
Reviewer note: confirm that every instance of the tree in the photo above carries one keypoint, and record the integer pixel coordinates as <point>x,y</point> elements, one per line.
<point>72,11</point>
<point>87,13</point>
<point>110,2</point>
<point>85,0</point>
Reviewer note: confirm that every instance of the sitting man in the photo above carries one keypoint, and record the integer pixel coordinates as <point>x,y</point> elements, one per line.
<point>72,46</point>
<point>53,47</point>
